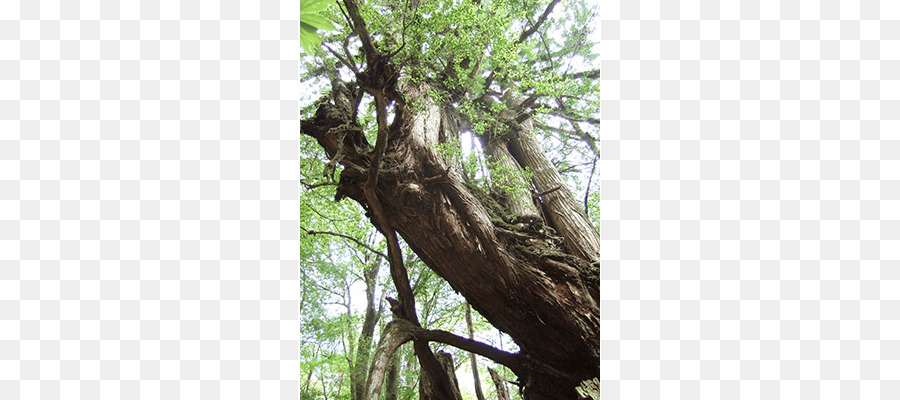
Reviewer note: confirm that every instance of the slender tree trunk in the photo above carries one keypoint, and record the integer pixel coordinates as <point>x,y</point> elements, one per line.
<point>506,172</point>
<point>477,381</point>
<point>563,210</point>
<point>499,386</point>
<point>364,344</point>
<point>392,380</point>
<point>446,361</point>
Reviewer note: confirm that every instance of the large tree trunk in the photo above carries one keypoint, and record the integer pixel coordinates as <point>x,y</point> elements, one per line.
<point>537,287</point>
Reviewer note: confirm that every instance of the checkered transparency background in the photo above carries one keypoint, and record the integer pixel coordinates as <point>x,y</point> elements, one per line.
<point>750,181</point>
<point>750,174</point>
<point>148,200</point>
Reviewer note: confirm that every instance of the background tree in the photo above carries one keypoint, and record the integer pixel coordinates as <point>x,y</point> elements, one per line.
<point>340,303</point>
<point>408,84</point>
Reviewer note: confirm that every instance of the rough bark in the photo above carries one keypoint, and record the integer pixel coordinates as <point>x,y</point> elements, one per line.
<point>499,386</point>
<point>393,337</point>
<point>524,279</point>
<point>446,361</point>
<point>520,281</point>
<point>506,170</point>
<point>562,209</point>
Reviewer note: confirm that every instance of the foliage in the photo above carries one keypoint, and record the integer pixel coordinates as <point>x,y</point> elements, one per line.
<point>471,51</point>
<point>311,21</point>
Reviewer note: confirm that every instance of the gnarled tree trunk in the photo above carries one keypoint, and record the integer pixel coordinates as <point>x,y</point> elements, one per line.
<point>525,261</point>
<point>537,287</point>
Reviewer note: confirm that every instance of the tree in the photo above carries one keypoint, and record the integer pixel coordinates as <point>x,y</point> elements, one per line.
<point>408,80</point>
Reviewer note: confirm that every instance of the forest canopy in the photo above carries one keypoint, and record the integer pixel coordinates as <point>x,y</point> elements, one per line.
<point>448,149</point>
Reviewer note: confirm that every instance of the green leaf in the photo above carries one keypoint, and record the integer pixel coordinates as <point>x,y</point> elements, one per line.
<point>316,21</point>
<point>313,6</point>
<point>309,39</point>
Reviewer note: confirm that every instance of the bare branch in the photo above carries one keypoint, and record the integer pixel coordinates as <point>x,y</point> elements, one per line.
<point>380,141</point>
<point>587,189</point>
<point>359,26</point>
<point>342,59</point>
<point>499,385</point>
<point>539,22</point>
<point>578,133</point>
<point>311,186</point>
<point>571,117</point>
<point>547,50</point>
<point>350,238</point>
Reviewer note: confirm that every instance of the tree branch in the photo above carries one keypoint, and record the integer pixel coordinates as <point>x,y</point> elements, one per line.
<point>431,368</point>
<point>350,238</point>
<point>311,186</point>
<point>524,35</point>
<point>539,22</point>
<point>401,331</point>
<point>380,141</point>
<point>359,26</point>
<point>575,134</point>
<point>571,117</point>
<point>587,189</point>
<point>590,74</point>
<point>546,192</point>
<point>342,59</point>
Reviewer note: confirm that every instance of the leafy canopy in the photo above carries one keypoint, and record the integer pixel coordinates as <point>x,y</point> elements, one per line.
<point>470,52</point>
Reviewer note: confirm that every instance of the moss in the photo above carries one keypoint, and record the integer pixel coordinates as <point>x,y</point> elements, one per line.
<point>591,273</point>
<point>494,208</point>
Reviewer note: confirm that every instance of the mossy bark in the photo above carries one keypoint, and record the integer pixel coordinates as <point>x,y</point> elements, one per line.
<point>545,300</point>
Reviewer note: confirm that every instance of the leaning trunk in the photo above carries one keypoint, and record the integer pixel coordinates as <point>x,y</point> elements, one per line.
<point>535,283</point>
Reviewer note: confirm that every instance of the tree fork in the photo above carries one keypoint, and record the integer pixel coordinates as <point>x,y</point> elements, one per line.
<point>451,231</point>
